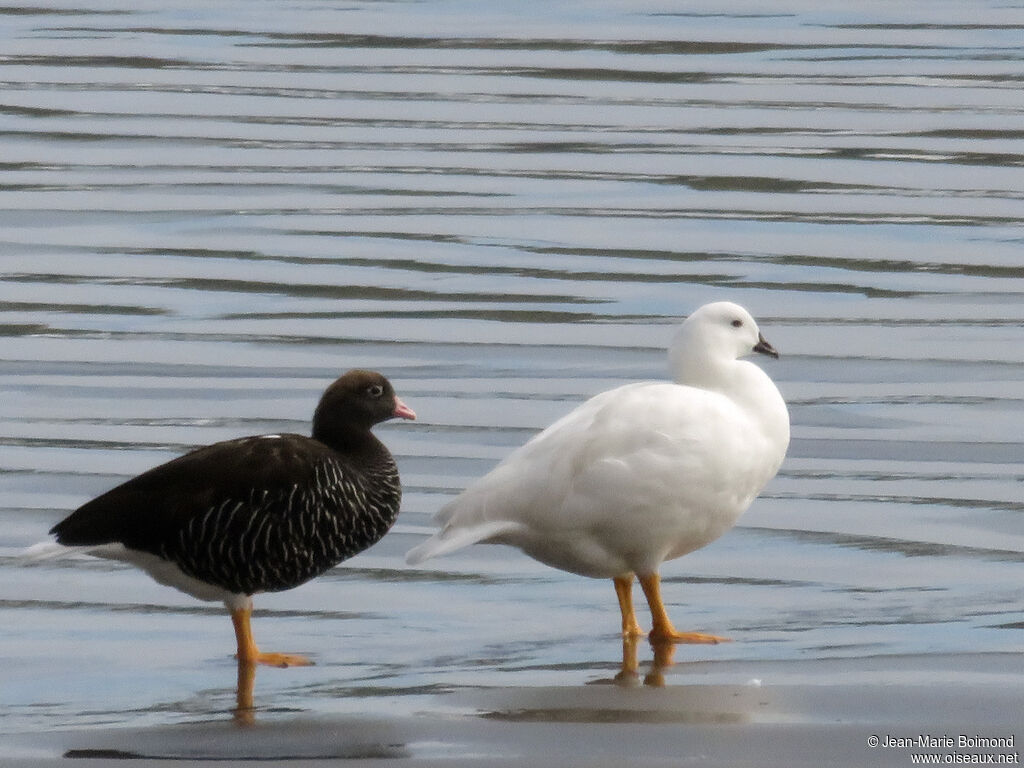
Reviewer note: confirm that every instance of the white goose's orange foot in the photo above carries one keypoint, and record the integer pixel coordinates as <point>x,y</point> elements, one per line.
<point>663,631</point>
<point>697,638</point>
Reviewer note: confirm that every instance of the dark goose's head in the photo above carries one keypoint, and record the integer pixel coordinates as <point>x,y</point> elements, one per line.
<point>353,404</point>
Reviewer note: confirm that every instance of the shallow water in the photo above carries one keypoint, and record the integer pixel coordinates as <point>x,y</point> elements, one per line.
<point>209,212</point>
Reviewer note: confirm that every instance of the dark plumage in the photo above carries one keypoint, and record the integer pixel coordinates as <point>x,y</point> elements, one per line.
<point>256,514</point>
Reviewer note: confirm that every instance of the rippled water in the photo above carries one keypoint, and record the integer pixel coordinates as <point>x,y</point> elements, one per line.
<point>208,211</point>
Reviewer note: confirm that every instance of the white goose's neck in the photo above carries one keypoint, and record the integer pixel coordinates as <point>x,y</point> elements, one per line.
<point>744,383</point>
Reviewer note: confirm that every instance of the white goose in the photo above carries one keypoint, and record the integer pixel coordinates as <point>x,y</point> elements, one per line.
<point>640,474</point>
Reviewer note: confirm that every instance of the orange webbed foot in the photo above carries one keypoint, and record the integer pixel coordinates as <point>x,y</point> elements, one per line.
<point>672,636</point>
<point>663,631</point>
<point>278,659</point>
<point>248,653</point>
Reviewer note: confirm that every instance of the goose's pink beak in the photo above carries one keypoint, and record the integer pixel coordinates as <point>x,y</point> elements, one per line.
<point>403,411</point>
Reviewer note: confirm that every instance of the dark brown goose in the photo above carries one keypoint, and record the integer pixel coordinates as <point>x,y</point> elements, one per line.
<point>257,514</point>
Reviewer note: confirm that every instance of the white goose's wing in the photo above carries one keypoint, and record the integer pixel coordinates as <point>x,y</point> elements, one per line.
<point>510,494</point>
<point>638,473</point>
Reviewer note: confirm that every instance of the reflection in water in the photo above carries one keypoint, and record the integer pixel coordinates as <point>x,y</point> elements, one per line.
<point>629,675</point>
<point>245,711</point>
<point>218,740</point>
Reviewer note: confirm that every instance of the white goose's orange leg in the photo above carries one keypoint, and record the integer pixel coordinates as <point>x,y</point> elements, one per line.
<point>663,630</point>
<point>624,591</point>
<point>247,650</point>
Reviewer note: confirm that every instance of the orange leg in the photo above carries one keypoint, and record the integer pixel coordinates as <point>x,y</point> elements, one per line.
<point>663,629</point>
<point>247,650</point>
<point>624,591</point>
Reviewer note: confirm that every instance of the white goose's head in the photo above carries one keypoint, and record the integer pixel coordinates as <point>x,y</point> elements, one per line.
<point>713,335</point>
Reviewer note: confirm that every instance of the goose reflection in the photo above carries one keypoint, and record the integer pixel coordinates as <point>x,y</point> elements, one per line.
<point>629,673</point>
<point>245,711</point>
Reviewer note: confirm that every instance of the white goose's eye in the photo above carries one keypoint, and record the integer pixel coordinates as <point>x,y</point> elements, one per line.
<point>375,391</point>
<point>737,323</point>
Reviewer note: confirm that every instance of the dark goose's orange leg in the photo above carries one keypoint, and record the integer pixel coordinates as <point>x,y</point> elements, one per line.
<point>247,650</point>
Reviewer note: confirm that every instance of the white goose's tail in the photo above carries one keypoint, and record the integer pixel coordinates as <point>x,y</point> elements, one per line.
<point>451,538</point>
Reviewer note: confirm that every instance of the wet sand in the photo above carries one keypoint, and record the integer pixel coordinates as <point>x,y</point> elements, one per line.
<point>820,713</point>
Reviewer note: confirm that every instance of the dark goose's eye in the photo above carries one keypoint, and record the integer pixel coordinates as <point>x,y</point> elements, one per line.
<point>375,391</point>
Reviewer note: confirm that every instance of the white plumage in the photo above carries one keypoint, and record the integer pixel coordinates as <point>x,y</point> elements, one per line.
<point>640,474</point>
<point>160,570</point>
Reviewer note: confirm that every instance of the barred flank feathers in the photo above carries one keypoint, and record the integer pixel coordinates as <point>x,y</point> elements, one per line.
<point>269,544</point>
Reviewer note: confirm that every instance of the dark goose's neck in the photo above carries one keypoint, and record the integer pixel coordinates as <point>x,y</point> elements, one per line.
<point>354,442</point>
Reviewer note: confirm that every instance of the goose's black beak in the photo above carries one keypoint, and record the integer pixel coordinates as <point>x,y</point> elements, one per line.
<point>764,347</point>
